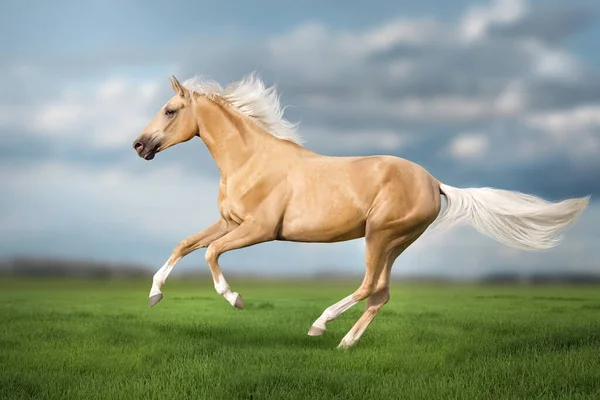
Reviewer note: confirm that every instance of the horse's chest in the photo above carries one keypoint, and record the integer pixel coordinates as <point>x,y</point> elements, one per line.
<point>231,211</point>
<point>235,205</point>
<point>242,199</point>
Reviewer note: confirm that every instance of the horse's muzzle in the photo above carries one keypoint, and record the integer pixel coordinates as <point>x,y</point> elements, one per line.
<point>145,148</point>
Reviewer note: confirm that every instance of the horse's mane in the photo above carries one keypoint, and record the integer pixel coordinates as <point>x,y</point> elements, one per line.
<point>252,98</point>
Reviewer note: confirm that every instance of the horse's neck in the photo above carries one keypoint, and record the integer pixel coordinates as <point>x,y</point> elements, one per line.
<point>230,139</point>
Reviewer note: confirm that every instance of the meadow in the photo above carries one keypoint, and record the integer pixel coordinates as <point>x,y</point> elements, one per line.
<point>78,339</point>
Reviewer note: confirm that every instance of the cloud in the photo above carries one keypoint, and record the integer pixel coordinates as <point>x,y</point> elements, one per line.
<point>351,141</point>
<point>344,52</point>
<point>469,145</point>
<point>480,19</point>
<point>576,129</point>
<point>107,117</point>
<point>426,82</point>
<point>584,118</point>
<point>79,196</point>
<point>550,23</point>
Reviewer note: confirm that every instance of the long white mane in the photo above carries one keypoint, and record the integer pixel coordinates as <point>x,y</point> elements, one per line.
<point>252,98</point>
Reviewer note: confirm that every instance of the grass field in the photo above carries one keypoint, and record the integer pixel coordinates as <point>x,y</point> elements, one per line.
<point>99,340</point>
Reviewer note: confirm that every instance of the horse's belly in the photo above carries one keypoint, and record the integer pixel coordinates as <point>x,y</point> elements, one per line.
<point>318,226</point>
<point>329,201</point>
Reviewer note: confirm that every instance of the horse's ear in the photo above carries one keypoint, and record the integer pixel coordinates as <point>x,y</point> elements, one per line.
<point>178,87</point>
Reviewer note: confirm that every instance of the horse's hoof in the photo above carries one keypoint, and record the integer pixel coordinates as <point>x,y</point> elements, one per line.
<point>315,331</point>
<point>238,303</point>
<point>345,345</point>
<point>155,299</point>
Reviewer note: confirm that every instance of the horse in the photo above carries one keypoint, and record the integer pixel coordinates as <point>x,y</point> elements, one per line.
<point>274,188</point>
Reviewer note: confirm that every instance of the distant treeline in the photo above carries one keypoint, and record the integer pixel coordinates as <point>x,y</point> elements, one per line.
<point>46,267</point>
<point>42,267</point>
<point>571,277</point>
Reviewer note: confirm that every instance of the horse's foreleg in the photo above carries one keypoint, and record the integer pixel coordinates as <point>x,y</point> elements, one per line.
<point>186,246</point>
<point>247,234</point>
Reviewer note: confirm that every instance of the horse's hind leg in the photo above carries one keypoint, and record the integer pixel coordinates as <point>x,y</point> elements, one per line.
<point>379,298</point>
<point>376,258</point>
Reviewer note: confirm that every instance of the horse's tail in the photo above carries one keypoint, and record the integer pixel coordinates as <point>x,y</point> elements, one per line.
<point>513,218</point>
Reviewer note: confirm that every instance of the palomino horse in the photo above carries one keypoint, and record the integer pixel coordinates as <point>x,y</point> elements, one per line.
<point>273,188</point>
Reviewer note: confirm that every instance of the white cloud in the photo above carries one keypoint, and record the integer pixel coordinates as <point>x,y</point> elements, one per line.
<point>513,100</point>
<point>355,141</point>
<point>577,130</point>
<point>440,109</point>
<point>443,109</point>
<point>109,116</point>
<point>297,50</point>
<point>314,39</point>
<point>468,146</point>
<point>315,52</point>
<point>479,19</point>
<point>551,63</point>
<point>568,122</point>
<point>165,203</point>
<point>321,58</point>
<point>401,31</point>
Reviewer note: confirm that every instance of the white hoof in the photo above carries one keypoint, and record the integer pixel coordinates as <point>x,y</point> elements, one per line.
<point>316,331</point>
<point>155,299</point>
<point>346,345</point>
<point>237,301</point>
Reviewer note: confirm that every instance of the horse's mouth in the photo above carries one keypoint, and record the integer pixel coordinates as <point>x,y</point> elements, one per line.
<point>147,151</point>
<point>150,153</point>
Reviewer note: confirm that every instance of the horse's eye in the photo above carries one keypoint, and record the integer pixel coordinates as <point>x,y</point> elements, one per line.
<point>169,112</point>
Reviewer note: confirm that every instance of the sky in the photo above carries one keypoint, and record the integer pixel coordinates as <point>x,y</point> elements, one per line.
<point>501,93</point>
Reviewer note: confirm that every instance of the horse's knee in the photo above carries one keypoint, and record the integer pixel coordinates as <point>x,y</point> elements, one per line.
<point>185,247</point>
<point>180,250</point>
<point>211,256</point>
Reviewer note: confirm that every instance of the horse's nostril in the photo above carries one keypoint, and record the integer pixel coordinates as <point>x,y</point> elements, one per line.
<point>138,146</point>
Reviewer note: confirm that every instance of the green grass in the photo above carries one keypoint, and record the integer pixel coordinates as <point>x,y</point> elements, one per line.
<point>99,340</point>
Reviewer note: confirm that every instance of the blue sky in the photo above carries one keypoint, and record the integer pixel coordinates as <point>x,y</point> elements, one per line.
<point>502,93</point>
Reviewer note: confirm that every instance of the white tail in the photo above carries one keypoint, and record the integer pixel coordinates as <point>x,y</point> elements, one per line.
<point>513,218</point>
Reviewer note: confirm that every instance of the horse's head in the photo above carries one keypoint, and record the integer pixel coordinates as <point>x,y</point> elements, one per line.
<point>175,123</point>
